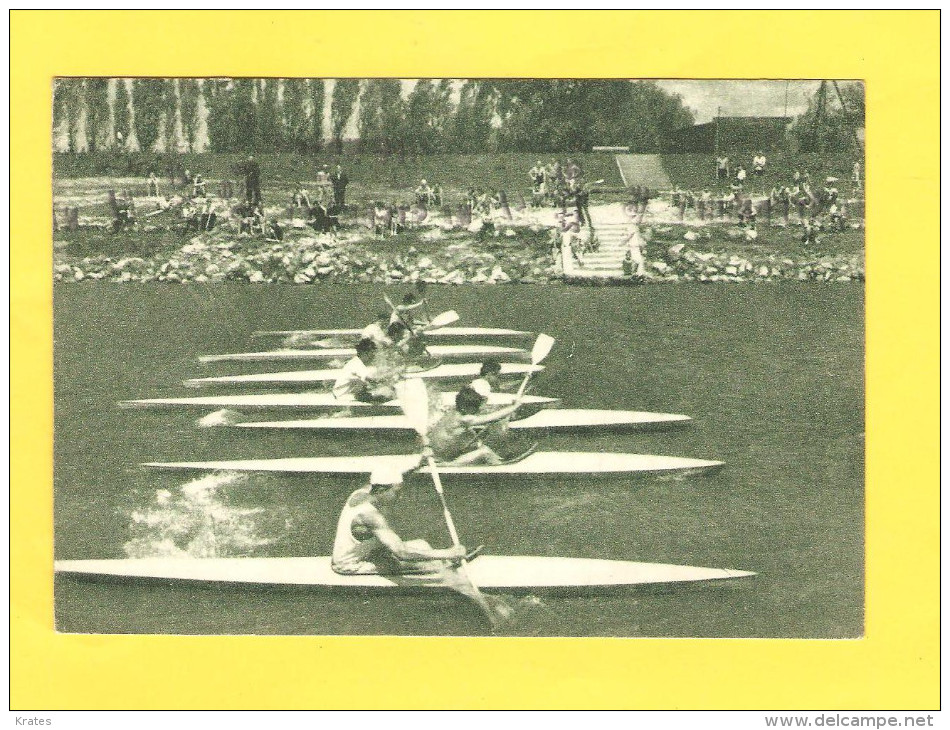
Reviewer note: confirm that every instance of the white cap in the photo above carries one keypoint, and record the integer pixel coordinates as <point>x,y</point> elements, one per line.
<point>385,476</point>
<point>481,386</point>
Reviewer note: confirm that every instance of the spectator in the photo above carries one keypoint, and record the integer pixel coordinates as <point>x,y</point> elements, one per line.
<point>758,165</point>
<point>152,185</point>
<point>722,168</point>
<point>856,175</point>
<point>198,190</point>
<point>339,181</point>
<point>582,201</point>
<point>536,175</point>
<point>572,171</point>
<point>424,193</point>
<point>740,175</point>
<point>252,181</point>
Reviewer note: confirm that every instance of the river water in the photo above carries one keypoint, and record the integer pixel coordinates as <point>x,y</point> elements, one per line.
<point>772,375</point>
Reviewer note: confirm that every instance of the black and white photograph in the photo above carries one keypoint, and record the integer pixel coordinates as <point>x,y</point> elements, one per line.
<point>492,357</point>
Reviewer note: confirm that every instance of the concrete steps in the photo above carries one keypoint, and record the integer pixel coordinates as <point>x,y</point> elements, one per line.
<point>605,263</point>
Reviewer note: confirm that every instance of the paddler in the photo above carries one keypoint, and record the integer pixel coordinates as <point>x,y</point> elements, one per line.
<point>457,435</point>
<point>366,544</point>
<point>376,330</point>
<point>406,342</point>
<point>490,375</point>
<point>360,377</point>
<point>408,312</point>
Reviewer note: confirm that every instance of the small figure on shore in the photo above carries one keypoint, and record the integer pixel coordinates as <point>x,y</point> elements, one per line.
<point>339,181</point>
<point>252,181</point>
<point>722,168</point>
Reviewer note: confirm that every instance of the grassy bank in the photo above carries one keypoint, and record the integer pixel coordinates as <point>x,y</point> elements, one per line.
<point>372,172</point>
<point>698,172</point>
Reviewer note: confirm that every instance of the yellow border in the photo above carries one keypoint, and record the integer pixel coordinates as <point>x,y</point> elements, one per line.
<point>894,667</point>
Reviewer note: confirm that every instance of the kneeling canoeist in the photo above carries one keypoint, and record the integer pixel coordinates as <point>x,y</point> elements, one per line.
<point>454,436</point>
<point>366,544</point>
<point>360,379</point>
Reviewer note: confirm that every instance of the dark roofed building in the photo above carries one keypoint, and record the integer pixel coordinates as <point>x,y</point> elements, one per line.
<point>732,134</point>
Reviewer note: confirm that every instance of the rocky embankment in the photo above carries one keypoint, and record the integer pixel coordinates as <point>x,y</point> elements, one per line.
<point>511,251</point>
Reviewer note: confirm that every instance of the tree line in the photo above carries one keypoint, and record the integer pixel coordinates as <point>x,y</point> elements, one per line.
<point>436,116</point>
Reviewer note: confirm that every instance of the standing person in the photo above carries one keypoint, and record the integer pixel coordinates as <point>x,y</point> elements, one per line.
<point>740,176</point>
<point>856,175</point>
<point>758,165</point>
<point>582,202</point>
<point>339,181</point>
<point>722,168</point>
<point>252,181</point>
<point>634,256</point>
<point>536,175</point>
<point>152,185</point>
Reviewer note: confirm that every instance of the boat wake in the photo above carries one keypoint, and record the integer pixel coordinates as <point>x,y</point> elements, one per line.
<point>197,521</point>
<point>223,417</point>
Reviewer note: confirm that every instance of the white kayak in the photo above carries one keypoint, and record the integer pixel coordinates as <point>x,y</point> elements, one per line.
<point>488,572</point>
<point>539,463</point>
<point>437,332</point>
<point>443,352</point>
<point>453,371</point>
<point>308,401</point>
<point>561,419</point>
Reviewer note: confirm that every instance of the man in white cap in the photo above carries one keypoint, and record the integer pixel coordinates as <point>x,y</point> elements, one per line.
<point>366,544</point>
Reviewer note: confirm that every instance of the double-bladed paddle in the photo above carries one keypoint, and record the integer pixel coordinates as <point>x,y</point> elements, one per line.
<point>414,399</point>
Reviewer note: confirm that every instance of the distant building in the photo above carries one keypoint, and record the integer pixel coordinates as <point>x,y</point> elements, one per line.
<point>732,134</point>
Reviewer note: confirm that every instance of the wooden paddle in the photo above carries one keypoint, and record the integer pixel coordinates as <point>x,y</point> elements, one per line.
<point>414,400</point>
<point>542,346</point>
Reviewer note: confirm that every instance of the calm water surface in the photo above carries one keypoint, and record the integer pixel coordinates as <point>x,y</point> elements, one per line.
<point>772,375</point>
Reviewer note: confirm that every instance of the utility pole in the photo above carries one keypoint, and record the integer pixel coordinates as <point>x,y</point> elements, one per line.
<point>819,117</point>
<point>716,122</point>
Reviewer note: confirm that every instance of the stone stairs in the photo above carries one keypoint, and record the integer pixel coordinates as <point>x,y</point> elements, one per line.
<point>603,265</point>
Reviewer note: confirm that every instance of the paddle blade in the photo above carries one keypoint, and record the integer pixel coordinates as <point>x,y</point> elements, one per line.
<point>414,401</point>
<point>542,346</point>
<point>441,320</point>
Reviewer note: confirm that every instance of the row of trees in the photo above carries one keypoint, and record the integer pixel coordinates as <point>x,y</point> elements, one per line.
<point>437,115</point>
<point>834,112</point>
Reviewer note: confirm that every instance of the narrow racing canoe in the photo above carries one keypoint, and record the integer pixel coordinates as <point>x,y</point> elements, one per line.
<point>465,353</point>
<point>307,401</point>
<point>540,463</point>
<point>473,332</point>
<point>453,371</point>
<point>561,419</point>
<point>488,572</point>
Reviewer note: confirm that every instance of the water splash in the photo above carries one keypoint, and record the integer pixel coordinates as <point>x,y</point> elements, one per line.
<point>529,616</point>
<point>197,521</point>
<point>223,417</point>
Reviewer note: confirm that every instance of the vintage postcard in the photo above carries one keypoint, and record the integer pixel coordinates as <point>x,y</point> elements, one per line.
<point>353,351</point>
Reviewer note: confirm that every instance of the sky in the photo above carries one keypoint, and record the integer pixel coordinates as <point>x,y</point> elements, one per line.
<point>754,98</point>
